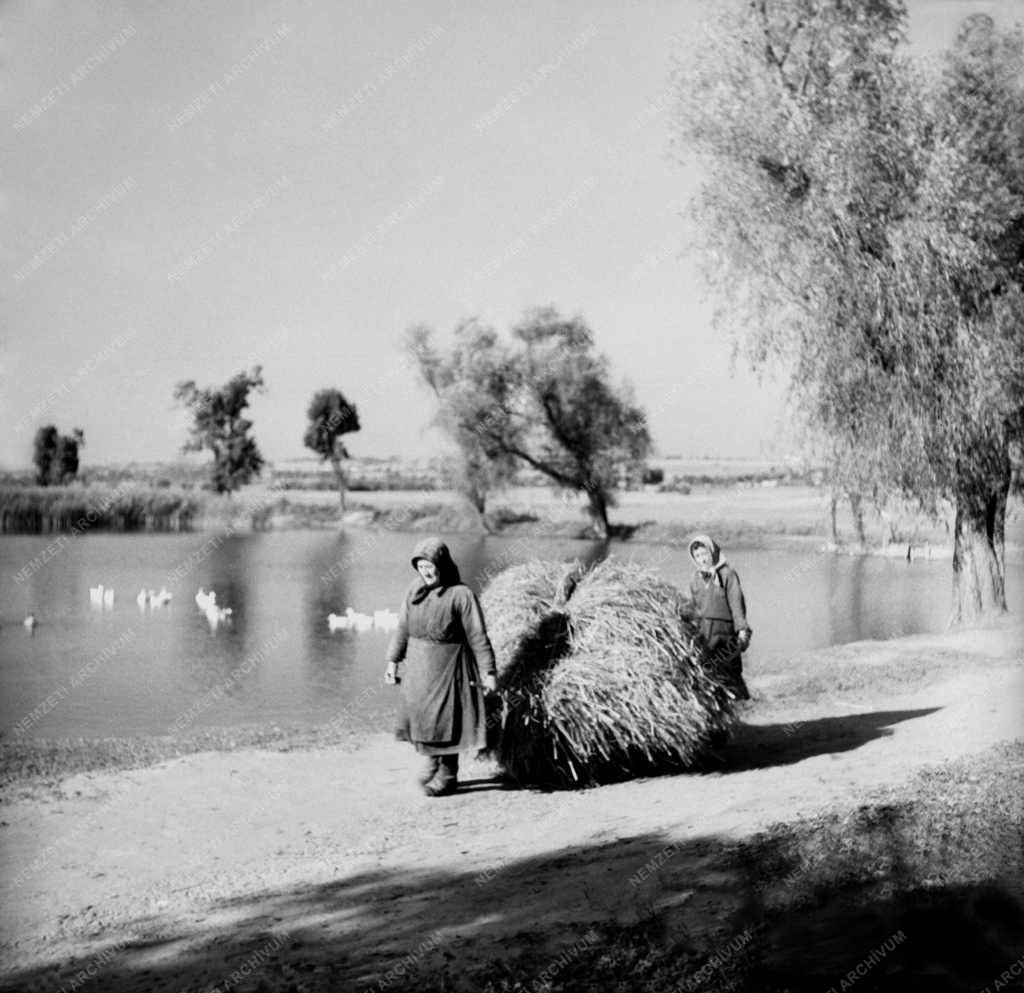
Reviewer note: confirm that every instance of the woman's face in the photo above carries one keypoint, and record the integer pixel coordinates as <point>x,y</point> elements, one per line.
<point>428,571</point>
<point>702,557</point>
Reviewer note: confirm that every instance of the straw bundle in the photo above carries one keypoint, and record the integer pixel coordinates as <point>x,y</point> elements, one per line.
<point>603,673</point>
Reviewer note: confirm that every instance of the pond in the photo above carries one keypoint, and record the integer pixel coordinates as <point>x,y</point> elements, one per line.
<point>90,670</point>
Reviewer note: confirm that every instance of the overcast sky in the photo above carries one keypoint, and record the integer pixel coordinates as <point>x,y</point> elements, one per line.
<point>189,187</point>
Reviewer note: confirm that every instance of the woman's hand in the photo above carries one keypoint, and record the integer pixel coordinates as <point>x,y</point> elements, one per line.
<point>490,683</point>
<point>391,673</point>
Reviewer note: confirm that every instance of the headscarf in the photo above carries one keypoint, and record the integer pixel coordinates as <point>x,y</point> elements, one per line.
<point>433,549</point>
<point>717,558</point>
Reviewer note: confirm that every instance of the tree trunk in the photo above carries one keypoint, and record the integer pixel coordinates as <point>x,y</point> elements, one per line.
<point>599,511</point>
<point>979,543</point>
<point>857,510</point>
<point>340,475</point>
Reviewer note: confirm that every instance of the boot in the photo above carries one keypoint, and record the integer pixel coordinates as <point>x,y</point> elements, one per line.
<point>433,763</point>
<point>447,778</point>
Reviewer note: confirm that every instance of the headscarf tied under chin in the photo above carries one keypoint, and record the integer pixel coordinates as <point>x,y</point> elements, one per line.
<point>717,558</point>
<point>434,550</point>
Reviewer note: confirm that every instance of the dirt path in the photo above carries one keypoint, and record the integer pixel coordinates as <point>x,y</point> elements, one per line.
<point>324,869</point>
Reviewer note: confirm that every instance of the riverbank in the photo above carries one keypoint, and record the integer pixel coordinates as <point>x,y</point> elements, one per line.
<point>873,789</point>
<point>739,513</point>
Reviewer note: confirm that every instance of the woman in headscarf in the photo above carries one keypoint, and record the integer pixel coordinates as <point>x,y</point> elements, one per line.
<point>718,597</point>
<point>442,639</point>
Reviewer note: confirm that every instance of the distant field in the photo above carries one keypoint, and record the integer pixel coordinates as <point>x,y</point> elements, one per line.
<point>749,513</point>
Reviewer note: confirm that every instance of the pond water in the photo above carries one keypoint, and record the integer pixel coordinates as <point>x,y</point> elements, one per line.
<point>123,670</point>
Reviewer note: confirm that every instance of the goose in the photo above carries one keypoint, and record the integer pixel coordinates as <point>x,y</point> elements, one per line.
<point>215,615</point>
<point>108,598</point>
<point>337,622</point>
<point>361,622</point>
<point>96,595</point>
<point>142,599</point>
<point>162,598</point>
<point>206,600</point>
<point>386,620</point>
<point>30,623</point>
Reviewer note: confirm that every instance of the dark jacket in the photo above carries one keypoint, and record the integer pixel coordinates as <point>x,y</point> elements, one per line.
<point>717,592</point>
<point>443,641</point>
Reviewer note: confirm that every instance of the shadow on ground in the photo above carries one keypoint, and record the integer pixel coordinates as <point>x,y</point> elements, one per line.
<point>760,746</point>
<point>884,895</point>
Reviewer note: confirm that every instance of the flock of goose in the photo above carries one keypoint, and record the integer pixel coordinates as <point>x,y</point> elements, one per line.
<point>150,598</point>
<point>102,597</point>
<point>351,620</point>
<point>207,603</point>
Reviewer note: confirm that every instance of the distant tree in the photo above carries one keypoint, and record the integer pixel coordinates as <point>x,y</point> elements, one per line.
<point>330,416</point>
<point>56,455</point>
<point>864,216</point>
<point>219,425</point>
<point>44,452</point>
<point>544,400</point>
<point>66,457</point>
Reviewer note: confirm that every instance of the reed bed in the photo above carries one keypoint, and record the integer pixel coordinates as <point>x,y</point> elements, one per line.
<point>603,674</point>
<point>76,509</point>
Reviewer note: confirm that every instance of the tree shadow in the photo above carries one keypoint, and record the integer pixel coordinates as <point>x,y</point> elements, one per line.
<point>761,746</point>
<point>644,912</point>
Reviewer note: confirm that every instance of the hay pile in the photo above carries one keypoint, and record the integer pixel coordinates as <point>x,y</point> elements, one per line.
<point>602,671</point>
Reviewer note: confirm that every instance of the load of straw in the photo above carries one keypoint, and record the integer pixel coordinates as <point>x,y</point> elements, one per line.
<point>603,674</point>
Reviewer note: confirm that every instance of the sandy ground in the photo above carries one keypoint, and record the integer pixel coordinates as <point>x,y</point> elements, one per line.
<point>327,870</point>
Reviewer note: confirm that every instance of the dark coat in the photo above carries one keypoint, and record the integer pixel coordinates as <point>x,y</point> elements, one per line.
<point>443,641</point>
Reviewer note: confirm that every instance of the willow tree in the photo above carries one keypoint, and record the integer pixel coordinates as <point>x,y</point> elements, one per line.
<point>544,400</point>
<point>866,214</point>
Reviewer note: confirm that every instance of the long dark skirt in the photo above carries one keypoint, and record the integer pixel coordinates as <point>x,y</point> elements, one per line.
<point>726,656</point>
<point>442,702</point>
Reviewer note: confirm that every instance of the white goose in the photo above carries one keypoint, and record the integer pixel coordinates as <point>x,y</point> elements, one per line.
<point>351,620</point>
<point>385,620</point>
<point>217,615</point>
<point>337,622</point>
<point>361,622</point>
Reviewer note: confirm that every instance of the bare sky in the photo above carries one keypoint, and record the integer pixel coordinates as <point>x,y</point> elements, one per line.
<point>191,187</point>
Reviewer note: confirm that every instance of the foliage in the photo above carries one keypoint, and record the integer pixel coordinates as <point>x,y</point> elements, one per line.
<point>545,400</point>
<point>329,417</point>
<point>55,455</point>
<point>218,425</point>
<point>867,218</point>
